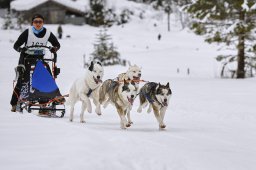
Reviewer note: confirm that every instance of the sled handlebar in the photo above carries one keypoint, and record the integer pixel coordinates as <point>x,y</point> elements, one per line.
<point>48,47</point>
<point>39,46</point>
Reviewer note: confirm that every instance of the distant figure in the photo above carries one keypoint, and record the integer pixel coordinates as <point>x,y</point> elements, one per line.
<point>60,31</point>
<point>159,37</point>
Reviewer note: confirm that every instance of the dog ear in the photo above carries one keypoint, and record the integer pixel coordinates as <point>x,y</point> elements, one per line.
<point>125,87</point>
<point>159,85</point>
<point>129,64</point>
<point>158,88</point>
<point>99,63</point>
<point>167,85</point>
<point>91,66</point>
<point>169,91</point>
<point>126,82</point>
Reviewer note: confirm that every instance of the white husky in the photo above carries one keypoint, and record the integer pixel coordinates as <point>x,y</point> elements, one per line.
<point>133,73</point>
<point>85,88</point>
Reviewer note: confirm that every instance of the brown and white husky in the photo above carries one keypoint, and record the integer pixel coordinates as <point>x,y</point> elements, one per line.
<point>122,96</point>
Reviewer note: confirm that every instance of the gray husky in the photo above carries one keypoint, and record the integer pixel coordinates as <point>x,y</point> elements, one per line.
<point>122,96</point>
<point>157,96</point>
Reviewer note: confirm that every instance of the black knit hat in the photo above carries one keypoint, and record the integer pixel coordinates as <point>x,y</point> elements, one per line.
<point>37,16</point>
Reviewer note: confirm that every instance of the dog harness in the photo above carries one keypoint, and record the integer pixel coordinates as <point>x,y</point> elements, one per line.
<point>89,93</point>
<point>150,100</point>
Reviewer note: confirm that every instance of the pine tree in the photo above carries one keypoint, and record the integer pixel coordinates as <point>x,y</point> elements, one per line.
<point>5,3</point>
<point>20,21</point>
<point>99,15</point>
<point>8,24</point>
<point>96,15</point>
<point>158,4</point>
<point>231,23</point>
<point>104,49</point>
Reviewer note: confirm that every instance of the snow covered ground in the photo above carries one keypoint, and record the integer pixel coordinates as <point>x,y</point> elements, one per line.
<point>211,122</point>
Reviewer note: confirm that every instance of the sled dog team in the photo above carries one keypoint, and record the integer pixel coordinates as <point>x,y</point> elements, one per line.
<point>121,92</point>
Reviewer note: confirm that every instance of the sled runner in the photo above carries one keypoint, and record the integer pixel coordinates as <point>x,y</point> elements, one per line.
<point>39,90</point>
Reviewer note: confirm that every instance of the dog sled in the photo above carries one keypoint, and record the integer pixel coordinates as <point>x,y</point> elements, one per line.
<point>39,90</point>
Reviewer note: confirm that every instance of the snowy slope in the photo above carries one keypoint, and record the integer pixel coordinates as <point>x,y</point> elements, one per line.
<point>211,122</point>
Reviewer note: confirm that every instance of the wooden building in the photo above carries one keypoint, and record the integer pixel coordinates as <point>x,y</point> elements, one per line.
<point>54,11</point>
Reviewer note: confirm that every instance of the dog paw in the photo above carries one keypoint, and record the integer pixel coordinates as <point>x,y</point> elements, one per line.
<point>149,111</point>
<point>128,125</point>
<point>162,126</point>
<point>89,110</point>
<point>139,110</point>
<point>82,121</point>
<point>98,112</point>
<point>130,122</point>
<point>105,105</point>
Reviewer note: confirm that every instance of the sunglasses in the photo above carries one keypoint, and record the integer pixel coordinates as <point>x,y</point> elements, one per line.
<point>37,21</point>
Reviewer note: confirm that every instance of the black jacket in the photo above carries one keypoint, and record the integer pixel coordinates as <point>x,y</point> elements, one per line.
<point>24,37</point>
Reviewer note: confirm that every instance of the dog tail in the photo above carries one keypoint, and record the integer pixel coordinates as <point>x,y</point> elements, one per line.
<point>104,89</point>
<point>68,101</point>
<point>142,93</point>
<point>102,92</point>
<point>101,96</point>
<point>71,93</point>
<point>142,98</point>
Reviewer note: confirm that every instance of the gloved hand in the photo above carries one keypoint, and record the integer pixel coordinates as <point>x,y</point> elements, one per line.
<point>21,69</point>
<point>23,50</point>
<point>54,49</point>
